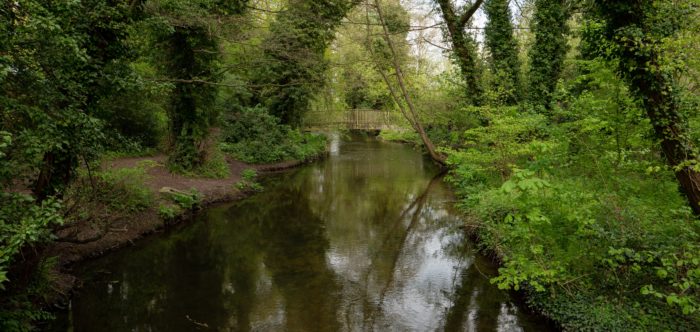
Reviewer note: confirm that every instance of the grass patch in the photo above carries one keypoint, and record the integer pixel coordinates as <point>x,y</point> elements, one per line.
<point>120,190</point>
<point>406,136</point>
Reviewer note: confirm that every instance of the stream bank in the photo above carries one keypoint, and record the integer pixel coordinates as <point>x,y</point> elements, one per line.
<point>124,231</point>
<point>365,240</point>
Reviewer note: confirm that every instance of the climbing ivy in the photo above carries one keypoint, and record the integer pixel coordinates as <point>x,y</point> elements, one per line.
<point>548,50</point>
<point>636,31</point>
<point>293,64</point>
<point>503,48</point>
<point>190,57</point>
<point>464,46</point>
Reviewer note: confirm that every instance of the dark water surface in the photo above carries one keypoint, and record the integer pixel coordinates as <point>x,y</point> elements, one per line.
<point>366,240</point>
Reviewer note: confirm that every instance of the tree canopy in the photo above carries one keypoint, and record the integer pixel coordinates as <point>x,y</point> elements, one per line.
<point>569,129</point>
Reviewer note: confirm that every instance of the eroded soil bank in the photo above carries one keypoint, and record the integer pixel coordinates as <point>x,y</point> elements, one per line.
<point>85,243</point>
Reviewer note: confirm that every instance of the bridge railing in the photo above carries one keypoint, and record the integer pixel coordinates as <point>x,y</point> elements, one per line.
<point>360,119</point>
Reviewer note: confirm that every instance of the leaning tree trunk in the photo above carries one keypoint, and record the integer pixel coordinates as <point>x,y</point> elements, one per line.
<point>633,26</point>
<point>663,110</point>
<point>411,114</point>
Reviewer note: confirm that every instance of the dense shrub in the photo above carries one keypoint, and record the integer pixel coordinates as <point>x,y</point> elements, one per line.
<point>23,224</point>
<point>255,136</point>
<point>583,211</point>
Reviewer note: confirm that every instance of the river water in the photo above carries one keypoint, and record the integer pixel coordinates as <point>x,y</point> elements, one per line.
<point>366,240</point>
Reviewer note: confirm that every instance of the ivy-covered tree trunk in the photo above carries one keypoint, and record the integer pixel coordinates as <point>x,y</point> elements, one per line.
<point>505,66</point>
<point>463,45</point>
<point>637,29</point>
<point>547,52</point>
<point>192,58</point>
<point>293,65</point>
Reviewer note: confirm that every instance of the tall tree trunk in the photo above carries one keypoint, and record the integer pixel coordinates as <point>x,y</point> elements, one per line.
<point>293,56</point>
<point>548,51</point>
<point>662,108</point>
<point>192,54</point>
<point>463,45</point>
<point>504,63</point>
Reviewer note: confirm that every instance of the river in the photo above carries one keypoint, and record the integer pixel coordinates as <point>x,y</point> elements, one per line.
<point>365,240</point>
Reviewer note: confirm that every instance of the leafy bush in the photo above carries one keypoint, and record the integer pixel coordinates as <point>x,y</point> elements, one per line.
<point>20,310</point>
<point>248,176</point>
<point>24,223</point>
<point>187,201</point>
<point>215,167</point>
<point>167,212</point>
<point>254,136</point>
<point>583,212</point>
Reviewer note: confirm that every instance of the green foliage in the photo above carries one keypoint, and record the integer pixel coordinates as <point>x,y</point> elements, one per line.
<point>293,63</point>
<point>464,50</point>
<point>69,88</point>
<point>7,166</point>
<point>135,120</point>
<point>191,55</point>
<point>120,190</point>
<point>215,167</point>
<point>585,216</point>
<point>187,35</point>
<point>547,51</point>
<point>249,174</point>
<point>24,223</point>
<point>254,136</point>
<point>248,177</point>
<point>60,61</point>
<point>407,136</point>
<point>187,201</point>
<point>168,212</point>
<point>503,48</point>
<point>56,64</point>
<point>19,311</point>
<point>635,33</point>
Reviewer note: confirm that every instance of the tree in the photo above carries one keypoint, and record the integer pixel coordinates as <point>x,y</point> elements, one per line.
<point>387,62</point>
<point>190,58</point>
<point>58,62</point>
<point>463,45</point>
<point>636,30</point>
<point>504,63</point>
<point>293,64</point>
<point>547,52</point>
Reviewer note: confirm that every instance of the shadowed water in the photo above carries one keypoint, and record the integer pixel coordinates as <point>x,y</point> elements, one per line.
<point>365,240</point>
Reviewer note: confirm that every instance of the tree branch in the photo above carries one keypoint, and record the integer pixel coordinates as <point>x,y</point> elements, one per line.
<point>469,13</point>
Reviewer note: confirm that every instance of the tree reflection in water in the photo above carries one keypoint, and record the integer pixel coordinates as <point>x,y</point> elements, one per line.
<point>365,240</point>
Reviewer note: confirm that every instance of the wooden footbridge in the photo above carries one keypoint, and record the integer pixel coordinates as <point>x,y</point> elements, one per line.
<point>354,119</point>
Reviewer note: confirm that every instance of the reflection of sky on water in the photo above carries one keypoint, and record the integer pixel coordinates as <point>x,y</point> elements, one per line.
<point>365,240</point>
